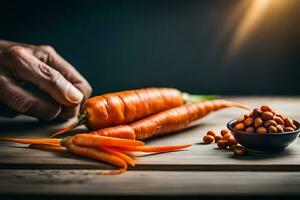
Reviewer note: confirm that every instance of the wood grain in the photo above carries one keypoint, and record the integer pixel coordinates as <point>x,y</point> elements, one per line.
<point>148,183</point>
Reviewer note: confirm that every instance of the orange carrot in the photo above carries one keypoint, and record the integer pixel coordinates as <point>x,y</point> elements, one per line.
<point>159,149</point>
<point>98,141</point>
<point>121,131</point>
<point>97,154</point>
<point>124,107</point>
<point>177,118</point>
<point>48,147</point>
<point>121,155</point>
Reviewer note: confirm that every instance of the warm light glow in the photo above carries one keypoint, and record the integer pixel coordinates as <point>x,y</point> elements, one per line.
<point>254,14</point>
<point>251,15</point>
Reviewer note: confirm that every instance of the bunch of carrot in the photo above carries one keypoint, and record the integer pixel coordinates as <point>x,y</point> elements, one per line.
<point>120,119</point>
<point>115,151</point>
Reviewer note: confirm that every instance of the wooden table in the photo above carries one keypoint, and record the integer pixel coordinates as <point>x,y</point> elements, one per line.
<point>202,170</point>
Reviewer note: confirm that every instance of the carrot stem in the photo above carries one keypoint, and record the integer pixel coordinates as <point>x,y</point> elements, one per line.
<point>81,120</point>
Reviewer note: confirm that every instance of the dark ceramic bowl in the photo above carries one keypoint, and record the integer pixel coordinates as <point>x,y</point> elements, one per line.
<point>265,142</point>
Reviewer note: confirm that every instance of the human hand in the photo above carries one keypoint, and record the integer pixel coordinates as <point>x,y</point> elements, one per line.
<point>62,85</point>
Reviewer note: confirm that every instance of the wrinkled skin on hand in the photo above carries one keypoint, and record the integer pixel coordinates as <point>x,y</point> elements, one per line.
<point>62,87</point>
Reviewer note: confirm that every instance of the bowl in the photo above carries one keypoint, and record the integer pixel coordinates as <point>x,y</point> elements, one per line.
<point>264,142</point>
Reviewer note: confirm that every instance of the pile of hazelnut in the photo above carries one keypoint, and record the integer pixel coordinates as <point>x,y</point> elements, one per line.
<point>224,141</point>
<point>264,120</point>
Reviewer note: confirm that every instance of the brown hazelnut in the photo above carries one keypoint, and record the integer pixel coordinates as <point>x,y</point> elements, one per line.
<point>226,137</point>
<point>248,122</point>
<point>261,130</point>
<point>231,141</point>
<point>246,115</point>
<point>257,112</point>
<point>239,127</point>
<point>222,144</point>
<point>224,132</point>
<point>288,129</point>
<point>217,138</point>
<point>239,151</point>
<point>278,120</point>
<point>270,123</point>
<point>240,120</point>
<point>265,108</point>
<point>212,133</point>
<point>279,129</point>
<point>258,122</point>
<point>272,129</point>
<point>208,139</point>
<point>288,122</point>
<point>250,129</point>
<point>267,115</point>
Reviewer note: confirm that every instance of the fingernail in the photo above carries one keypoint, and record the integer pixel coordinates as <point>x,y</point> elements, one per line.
<point>74,95</point>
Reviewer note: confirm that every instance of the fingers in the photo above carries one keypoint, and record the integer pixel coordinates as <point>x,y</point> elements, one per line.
<point>23,65</point>
<point>48,55</point>
<point>26,102</point>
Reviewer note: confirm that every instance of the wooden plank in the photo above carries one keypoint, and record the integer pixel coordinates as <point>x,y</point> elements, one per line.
<point>198,157</point>
<point>148,183</point>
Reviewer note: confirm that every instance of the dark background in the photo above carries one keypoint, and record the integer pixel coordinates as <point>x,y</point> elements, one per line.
<point>120,45</point>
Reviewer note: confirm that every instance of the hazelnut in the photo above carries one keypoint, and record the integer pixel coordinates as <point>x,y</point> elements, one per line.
<point>239,127</point>
<point>261,130</point>
<point>226,137</point>
<point>231,141</point>
<point>208,139</point>
<point>267,115</point>
<point>288,129</point>
<point>212,133</point>
<point>265,108</point>
<point>217,138</point>
<point>257,112</point>
<point>249,121</point>
<point>278,120</point>
<point>288,122</point>
<point>246,115</point>
<point>272,129</point>
<point>258,122</point>
<point>222,144</point>
<point>240,120</point>
<point>224,132</point>
<point>239,151</point>
<point>270,123</point>
<point>250,129</point>
<point>279,129</point>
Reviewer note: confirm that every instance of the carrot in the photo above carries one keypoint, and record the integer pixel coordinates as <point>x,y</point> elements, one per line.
<point>121,155</point>
<point>121,131</point>
<point>32,141</point>
<point>99,141</point>
<point>177,118</point>
<point>124,107</point>
<point>48,147</point>
<point>159,149</point>
<point>97,154</point>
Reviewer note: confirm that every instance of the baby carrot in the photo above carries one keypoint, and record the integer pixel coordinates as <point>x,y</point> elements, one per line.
<point>121,155</point>
<point>98,141</point>
<point>154,148</point>
<point>95,153</point>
